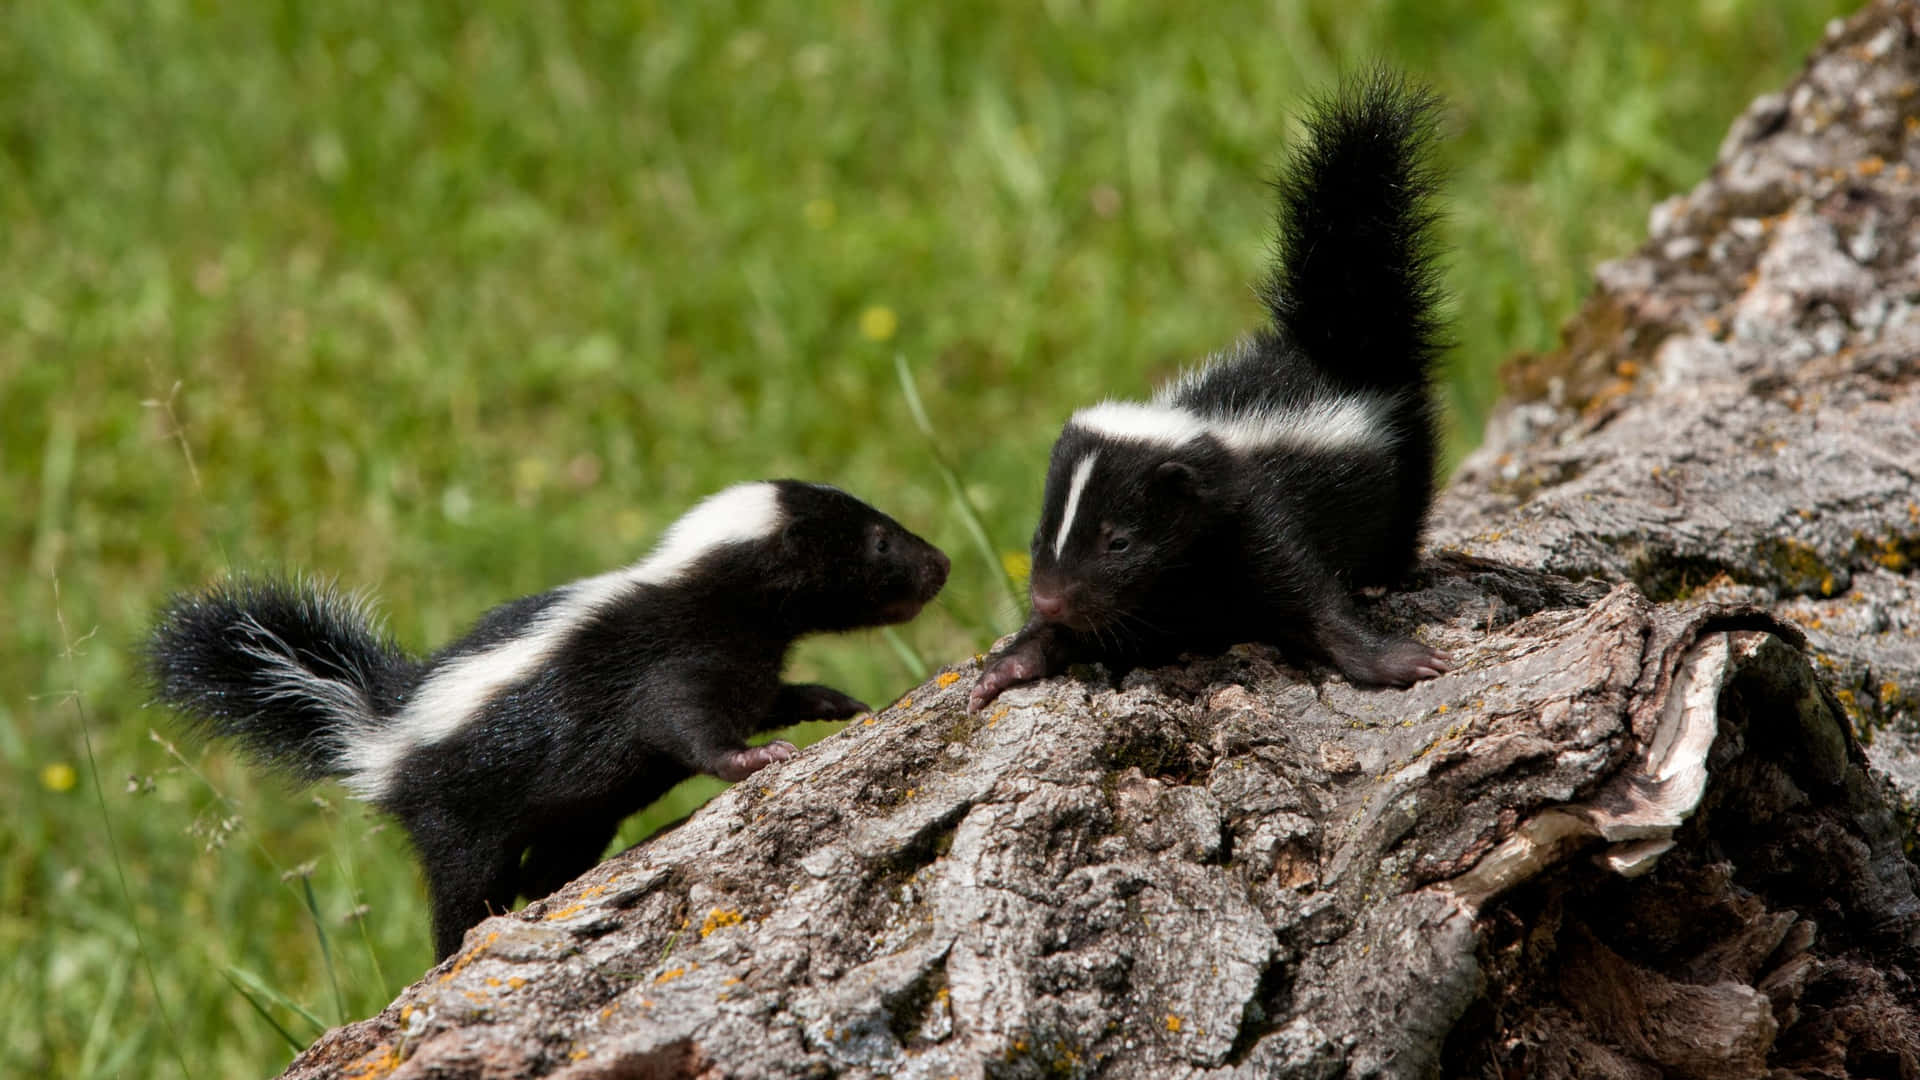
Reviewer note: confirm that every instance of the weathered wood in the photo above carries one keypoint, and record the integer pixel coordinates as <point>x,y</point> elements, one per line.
<point>1633,835</point>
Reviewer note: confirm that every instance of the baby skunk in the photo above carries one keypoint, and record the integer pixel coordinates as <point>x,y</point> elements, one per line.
<point>1248,499</point>
<point>558,714</point>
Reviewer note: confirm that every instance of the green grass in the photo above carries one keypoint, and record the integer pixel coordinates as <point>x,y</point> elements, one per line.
<point>459,306</point>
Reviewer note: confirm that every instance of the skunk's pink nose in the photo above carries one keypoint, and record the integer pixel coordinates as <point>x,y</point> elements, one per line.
<point>1049,605</point>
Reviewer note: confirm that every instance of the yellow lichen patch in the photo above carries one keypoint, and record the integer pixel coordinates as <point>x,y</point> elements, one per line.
<point>566,912</point>
<point>516,982</point>
<point>606,1012</point>
<point>474,995</point>
<point>491,981</point>
<point>669,975</point>
<point>718,918</point>
<point>1826,585</point>
<point>1173,1022</point>
<point>577,1055</point>
<point>1627,369</point>
<point>468,956</point>
<point>869,721</point>
<point>384,1059</point>
<point>1889,554</point>
<point>731,980</point>
<point>1870,166</point>
<point>946,679</point>
<point>593,890</point>
<point>1889,693</point>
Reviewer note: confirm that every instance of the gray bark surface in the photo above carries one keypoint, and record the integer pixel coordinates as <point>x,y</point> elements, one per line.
<point>1635,834</point>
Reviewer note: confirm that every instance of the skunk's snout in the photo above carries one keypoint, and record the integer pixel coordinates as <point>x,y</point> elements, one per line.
<point>935,569</point>
<point>1063,602</point>
<point>1049,605</point>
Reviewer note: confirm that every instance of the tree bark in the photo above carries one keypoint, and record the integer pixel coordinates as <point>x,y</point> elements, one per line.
<point>1635,834</point>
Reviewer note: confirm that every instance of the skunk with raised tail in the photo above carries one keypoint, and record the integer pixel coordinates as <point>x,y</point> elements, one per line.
<point>558,714</point>
<point>1249,499</point>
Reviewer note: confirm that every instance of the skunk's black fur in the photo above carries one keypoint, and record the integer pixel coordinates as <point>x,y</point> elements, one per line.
<point>214,657</point>
<point>1249,499</point>
<point>559,714</point>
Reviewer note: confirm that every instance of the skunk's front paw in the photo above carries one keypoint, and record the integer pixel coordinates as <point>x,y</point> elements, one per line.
<point>737,765</point>
<point>1003,672</point>
<point>812,701</point>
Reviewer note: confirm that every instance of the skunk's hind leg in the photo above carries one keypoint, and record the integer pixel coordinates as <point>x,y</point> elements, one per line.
<point>1366,656</point>
<point>563,853</point>
<point>472,872</point>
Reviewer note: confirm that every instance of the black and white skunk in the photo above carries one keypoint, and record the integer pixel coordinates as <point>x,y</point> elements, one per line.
<point>1249,498</point>
<point>558,714</point>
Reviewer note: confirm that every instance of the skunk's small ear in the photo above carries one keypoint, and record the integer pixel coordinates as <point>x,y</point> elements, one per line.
<point>1180,477</point>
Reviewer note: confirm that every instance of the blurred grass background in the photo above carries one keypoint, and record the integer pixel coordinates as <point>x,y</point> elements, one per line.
<point>458,302</point>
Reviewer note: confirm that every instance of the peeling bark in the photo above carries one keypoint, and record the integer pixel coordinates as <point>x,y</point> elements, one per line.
<point>1635,834</point>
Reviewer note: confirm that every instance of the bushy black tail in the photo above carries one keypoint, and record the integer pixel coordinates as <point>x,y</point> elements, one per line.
<point>285,669</point>
<point>1355,286</point>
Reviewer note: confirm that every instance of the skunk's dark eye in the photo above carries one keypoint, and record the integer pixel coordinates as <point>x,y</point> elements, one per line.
<point>1118,544</point>
<point>881,546</point>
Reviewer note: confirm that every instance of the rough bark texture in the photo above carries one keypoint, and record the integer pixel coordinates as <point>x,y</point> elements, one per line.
<point>1634,835</point>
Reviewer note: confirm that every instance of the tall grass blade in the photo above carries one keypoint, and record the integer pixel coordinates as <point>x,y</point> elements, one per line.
<point>113,842</point>
<point>326,949</point>
<point>969,514</point>
<point>296,1044</point>
<point>904,651</point>
<point>260,986</point>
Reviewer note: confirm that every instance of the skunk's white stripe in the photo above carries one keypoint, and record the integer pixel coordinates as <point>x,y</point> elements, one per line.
<point>455,692</point>
<point>739,514</point>
<point>291,679</point>
<point>1078,484</point>
<point>1331,424</point>
<point>1135,421</point>
<point>1328,424</point>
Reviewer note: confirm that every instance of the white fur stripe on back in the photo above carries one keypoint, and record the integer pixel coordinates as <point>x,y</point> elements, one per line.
<point>1074,489</point>
<point>455,692</point>
<point>1138,422</point>
<point>1330,424</point>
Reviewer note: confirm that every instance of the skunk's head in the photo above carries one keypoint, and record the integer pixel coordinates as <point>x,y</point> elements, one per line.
<point>1131,497</point>
<point>839,564</point>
